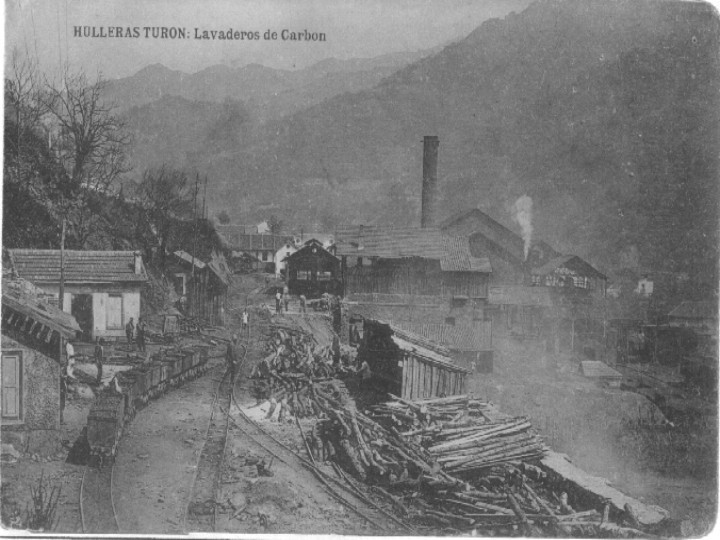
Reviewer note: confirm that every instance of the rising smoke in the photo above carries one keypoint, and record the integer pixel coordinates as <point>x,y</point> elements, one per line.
<point>522,215</point>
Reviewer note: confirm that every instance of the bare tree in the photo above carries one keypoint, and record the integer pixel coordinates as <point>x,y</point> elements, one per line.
<point>90,148</point>
<point>166,198</point>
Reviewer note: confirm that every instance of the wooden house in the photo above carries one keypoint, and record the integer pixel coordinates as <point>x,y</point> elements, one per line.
<point>414,261</point>
<point>263,247</point>
<point>312,270</point>
<point>504,249</point>
<point>33,335</point>
<point>570,274</point>
<point>203,286</point>
<point>102,288</point>
<point>409,365</point>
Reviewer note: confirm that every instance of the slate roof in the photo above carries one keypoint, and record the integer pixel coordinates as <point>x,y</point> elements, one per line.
<point>460,337</point>
<point>233,237</point>
<point>569,261</point>
<point>43,266</point>
<point>427,243</point>
<point>22,297</point>
<point>695,310</point>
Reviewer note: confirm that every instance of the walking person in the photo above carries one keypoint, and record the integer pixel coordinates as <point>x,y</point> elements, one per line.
<point>99,354</point>
<point>286,299</point>
<point>140,335</point>
<point>130,332</point>
<point>303,302</point>
<point>245,320</point>
<point>278,298</point>
<point>70,353</point>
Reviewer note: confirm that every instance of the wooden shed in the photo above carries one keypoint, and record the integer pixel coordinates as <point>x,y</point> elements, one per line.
<point>313,270</point>
<point>408,364</point>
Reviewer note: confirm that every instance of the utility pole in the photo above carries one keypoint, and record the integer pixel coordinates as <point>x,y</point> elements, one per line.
<point>195,218</point>
<point>61,292</point>
<point>204,212</point>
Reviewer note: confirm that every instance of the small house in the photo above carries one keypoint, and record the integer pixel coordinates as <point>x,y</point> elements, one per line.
<point>33,335</point>
<point>281,254</point>
<point>571,274</point>
<point>408,365</point>
<point>202,286</point>
<point>102,288</point>
<point>263,247</point>
<point>312,270</point>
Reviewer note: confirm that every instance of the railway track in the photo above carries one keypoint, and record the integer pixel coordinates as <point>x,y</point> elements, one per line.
<point>345,493</point>
<point>201,511</point>
<point>97,510</point>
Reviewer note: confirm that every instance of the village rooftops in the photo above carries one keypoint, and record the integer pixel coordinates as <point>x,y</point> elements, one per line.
<point>427,243</point>
<point>43,266</point>
<point>572,262</point>
<point>460,337</point>
<point>233,237</point>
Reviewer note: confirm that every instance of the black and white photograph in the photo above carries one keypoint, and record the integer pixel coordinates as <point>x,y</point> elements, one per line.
<point>360,268</point>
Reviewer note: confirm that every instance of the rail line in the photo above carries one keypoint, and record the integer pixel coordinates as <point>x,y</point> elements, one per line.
<point>201,510</point>
<point>344,494</point>
<point>97,508</point>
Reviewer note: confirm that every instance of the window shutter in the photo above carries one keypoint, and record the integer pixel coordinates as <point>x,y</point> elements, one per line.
<point>11,386</point>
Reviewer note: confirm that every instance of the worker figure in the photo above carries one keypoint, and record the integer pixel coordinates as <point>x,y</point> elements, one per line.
<point>70,353</point>
<point>278,298</point>
<point>231,357</point>
<point>303,302</point>
<point>365,373</point>
<point>130,331</point>
<point>245,319</point>
<point>99,354</point>
<point>286,297</point>
<point>140,335</point>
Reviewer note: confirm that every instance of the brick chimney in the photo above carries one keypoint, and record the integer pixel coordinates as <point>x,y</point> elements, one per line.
<point>428,216</point>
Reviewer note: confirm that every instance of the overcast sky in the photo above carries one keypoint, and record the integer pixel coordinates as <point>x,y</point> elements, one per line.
<point>354,29</point>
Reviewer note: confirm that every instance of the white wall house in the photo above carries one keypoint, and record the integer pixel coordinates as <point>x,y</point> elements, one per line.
<point>102,288</point>
<point>280,255</point>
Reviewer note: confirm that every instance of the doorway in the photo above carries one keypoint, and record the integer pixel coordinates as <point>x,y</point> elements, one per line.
<point>81,308</point>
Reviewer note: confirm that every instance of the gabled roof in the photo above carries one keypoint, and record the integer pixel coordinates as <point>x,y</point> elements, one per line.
<point>427,243</point>
<point>313,249</point>
<point>43,266</point>
<point>218,266</point>
<point>184,256</point>
<point>476,221</point>
<point>460,337</point>
<point>695,310</point>
<point>22,297</point>
<point>233,237</point>
<point>572,262</point>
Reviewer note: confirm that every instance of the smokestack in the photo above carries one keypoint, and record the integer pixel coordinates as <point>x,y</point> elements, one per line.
<point>428,216</point>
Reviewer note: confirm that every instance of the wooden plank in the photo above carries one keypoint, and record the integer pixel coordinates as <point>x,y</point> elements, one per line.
<point>403,379</point>
<point>426,380</point>
<point>418,383</point>
<point>411,375</point>
<point>431,388</point>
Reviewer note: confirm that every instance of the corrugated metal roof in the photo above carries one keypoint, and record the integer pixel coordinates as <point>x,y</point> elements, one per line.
<point>428,354</point>
<point>43,266</point>
<point>427,243</point>
<point>570,261</point>
<point>21,296</point>
<point>519,295</point>
<point>695,310</point>
<point>595,369</point>
<point>233,237</point>
<point>460,337</point>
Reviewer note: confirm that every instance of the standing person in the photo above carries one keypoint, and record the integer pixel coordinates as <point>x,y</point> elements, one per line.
<point>365,373</point>
<point>70,353</point>
<point>278,297</point>
<point>286,297</point>
<point>130,331</point>
<point>99,354</point>
<point>245,319</point>
<point>63,395</point>
<point>231,357</point>
<point>140,335</point>
<point>303,301</point>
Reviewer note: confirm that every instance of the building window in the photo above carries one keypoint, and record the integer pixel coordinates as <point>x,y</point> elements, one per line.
<point>115,312</point>
<point>11,385</point>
